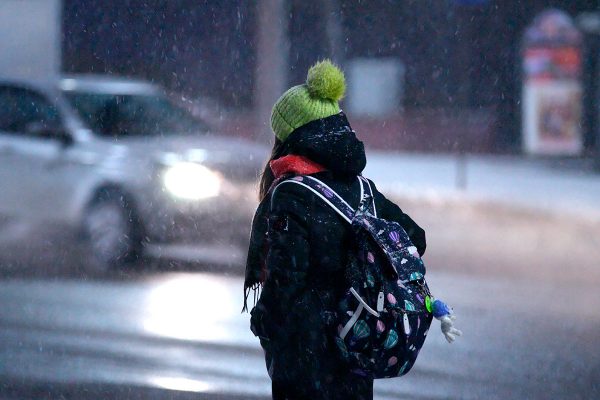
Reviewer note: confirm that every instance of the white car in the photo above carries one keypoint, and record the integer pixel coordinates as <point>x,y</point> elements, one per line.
<point>115,161</point>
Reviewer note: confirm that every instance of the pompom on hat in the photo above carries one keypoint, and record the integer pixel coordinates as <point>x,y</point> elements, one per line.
<point>317,98</point>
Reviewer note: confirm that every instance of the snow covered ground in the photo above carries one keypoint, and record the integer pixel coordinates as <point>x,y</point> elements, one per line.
<point>530,183</point>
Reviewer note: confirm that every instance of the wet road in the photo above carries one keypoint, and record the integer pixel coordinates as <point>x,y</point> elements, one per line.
<point>530,320</point>
<point>183,333</point>
<point>180,331</point>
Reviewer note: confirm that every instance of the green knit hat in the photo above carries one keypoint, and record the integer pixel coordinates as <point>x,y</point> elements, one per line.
<point>317,98</point>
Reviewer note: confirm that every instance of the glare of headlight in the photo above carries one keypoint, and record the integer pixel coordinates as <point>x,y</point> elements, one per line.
<point>190,181</point>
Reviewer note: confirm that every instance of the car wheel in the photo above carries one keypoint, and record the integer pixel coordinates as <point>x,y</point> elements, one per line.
<point>112,232</point>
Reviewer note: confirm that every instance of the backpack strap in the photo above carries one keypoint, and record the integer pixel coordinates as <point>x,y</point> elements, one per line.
<point>366,193</point>
<point>329,196</point>
<point>323,191</point>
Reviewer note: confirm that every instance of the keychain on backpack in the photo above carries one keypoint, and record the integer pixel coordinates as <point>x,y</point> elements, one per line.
<point>445,315</point>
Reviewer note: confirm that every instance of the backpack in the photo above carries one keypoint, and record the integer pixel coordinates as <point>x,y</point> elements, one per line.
<point>382,320</point>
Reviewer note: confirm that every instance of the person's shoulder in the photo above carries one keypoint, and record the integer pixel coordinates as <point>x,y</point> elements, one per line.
<point>373,186</point>
<point>291,191</point>
<point>389,208</point>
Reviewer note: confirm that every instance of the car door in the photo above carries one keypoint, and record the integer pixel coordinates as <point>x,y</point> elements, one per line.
<point>9,176</point>
<point>27,147</point>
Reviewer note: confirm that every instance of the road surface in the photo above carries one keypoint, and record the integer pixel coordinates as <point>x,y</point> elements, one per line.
<point>524,287</point>
<point>183,332</point>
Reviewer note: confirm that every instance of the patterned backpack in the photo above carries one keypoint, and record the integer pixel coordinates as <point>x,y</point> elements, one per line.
<point>384,317</point>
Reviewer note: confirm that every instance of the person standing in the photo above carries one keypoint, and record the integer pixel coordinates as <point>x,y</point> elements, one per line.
<point>299,246</point>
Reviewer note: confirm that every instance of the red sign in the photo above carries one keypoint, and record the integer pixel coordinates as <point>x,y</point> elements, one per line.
<point>546,63</point>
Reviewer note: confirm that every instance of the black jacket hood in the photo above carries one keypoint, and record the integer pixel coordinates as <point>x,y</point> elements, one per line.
<point>330,142</point>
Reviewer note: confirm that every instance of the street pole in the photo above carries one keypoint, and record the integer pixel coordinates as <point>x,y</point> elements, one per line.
<point>271,62</point>
<point>334,30</point>
<point>461,171</point>
<point>589,23</point>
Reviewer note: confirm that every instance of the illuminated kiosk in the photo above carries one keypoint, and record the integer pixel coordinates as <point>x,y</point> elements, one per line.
<point>552,92</point>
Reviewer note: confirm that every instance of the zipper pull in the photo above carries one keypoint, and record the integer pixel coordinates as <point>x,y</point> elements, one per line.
<point>406,324</point>
<point>380,300</point>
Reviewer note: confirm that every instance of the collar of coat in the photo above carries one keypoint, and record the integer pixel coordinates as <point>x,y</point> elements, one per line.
<point>331,143</point>
<point>294,164</point>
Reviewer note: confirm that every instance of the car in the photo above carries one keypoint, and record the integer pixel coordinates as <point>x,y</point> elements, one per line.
<point>131,173</point>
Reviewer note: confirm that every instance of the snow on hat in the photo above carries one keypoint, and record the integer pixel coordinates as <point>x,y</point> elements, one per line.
<point>317,98</point>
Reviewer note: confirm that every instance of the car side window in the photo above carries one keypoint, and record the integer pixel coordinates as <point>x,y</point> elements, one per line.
<point>8,109</point>
<point>22,109</point>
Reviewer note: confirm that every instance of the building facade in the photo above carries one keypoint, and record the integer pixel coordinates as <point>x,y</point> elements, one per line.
<point>461,58</point>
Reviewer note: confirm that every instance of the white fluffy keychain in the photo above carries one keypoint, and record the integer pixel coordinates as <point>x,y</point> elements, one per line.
<point>445,315</point>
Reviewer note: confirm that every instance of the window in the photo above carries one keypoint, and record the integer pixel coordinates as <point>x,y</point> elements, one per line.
<point>22,109</point>
<point>133,115</point>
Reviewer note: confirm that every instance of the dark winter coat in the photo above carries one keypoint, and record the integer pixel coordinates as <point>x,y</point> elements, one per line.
<point>304,246</point>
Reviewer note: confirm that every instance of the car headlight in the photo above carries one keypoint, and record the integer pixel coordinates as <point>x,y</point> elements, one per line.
<point>191,181</point>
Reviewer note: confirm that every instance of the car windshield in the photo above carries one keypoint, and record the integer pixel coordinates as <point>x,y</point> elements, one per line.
<point>133,115</point>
